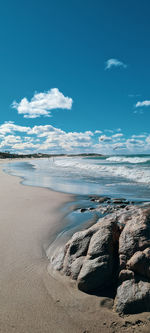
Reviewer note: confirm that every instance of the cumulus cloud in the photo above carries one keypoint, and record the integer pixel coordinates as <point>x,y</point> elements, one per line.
<point>42,138</point>
<point>114,63</point>
<point>10,127</point>
<point>41,104</point>
<point>50,139</point>
<point>108,131</point>
<point>118,135</point>
<point>105,138</point>
<point>98,132</point>
<point>138,136</point>
<point>120,145</point>
<point>143,103</point>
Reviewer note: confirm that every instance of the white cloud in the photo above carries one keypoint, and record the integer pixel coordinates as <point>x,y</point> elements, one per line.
<point>142,136</point>
<point>49,139</point>
<point>44,130</point>
<point>105,138</point>
<point>41,104</point>
<point>98,132</point>
<point>108,131</point>
<point>134,145</point>
<point>120,146</point>
<point>138,111</point>
<point>117,135</point>
<point>118,129</point>
<point>134,95</point>
<point>114,63</point>
<point>10,140</point>
<point>144,103</point>
<point>10,127</point>
<point>42,138</point>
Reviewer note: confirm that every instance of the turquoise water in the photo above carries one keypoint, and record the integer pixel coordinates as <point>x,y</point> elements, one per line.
<point>116,176</point>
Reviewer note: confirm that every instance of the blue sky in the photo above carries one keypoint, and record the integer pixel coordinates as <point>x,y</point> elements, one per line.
<point>75,76</point>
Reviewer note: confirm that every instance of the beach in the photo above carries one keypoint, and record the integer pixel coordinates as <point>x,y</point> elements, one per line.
<point>31,298</point>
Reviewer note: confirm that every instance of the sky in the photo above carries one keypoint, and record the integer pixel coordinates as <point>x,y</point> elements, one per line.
<point>74,76</point>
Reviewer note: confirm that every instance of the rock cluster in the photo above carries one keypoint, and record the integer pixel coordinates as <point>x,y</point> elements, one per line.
<point>114,252</point>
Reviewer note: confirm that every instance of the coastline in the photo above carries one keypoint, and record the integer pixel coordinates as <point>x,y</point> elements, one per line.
<point>31,299</point>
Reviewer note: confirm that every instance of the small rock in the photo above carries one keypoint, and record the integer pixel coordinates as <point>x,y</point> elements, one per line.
<point>101,200</point>
<point>138,322</point>
<point>127,323</point>
<point>113,324</point>
<point>119,200</point>
<point>82,210</point>
<point>125,274</point>
<point>122,206</point>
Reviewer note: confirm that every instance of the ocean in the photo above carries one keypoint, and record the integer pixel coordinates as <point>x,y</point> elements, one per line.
<point>118,176</point>
<point>114,176</point>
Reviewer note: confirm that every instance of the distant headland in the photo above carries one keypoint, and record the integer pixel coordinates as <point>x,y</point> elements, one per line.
<point>42,155</point>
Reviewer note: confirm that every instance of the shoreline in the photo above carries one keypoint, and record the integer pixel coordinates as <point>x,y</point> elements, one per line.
<point>32,300</point>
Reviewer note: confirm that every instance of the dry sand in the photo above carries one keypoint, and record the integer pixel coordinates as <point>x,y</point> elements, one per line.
<point>32,300</point>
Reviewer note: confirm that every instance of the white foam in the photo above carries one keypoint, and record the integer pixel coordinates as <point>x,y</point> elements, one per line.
<point>126,159</point>
<point>87,168</point>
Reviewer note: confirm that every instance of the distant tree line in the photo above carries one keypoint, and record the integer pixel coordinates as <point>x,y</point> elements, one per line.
<point>8,154</point>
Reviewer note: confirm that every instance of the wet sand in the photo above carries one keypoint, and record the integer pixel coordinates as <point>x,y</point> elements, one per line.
<point>31,299</point>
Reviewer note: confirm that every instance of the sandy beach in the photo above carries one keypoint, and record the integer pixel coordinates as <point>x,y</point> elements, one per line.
<point>31,299</point>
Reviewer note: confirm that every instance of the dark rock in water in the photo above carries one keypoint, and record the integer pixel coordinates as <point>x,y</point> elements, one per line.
<point>100,199</point>
<point>82,210</point>
<point>122,206</point>
<point>119,201</point>
<point>91,208</point>
<point>103,199</point>
<point>114,252</point>
<point>94,198</point>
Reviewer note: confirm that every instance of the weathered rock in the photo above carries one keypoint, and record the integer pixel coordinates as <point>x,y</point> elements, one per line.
<point>57,259</point>
<point>95,274</point>
<point>122,262</point>
<point>125,274</point>
<point>76,247</point>
<point>117,246</point>
<point>133,297</point>
<point>136,233</point>
<point>76,267</point>
<point>140,263</point>
<point>97,247</point>
<point>97,269</point>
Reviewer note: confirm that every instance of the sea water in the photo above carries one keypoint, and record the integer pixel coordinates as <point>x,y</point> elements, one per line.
<point>113,176</point>
<point>125,176</point>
